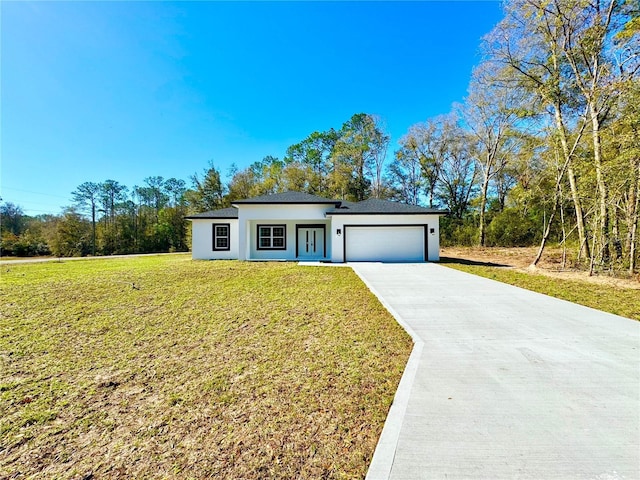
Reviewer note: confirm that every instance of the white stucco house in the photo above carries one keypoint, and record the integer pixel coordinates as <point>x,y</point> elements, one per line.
<point>300,226</point>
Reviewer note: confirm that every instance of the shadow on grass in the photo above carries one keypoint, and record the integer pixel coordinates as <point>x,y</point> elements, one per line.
<point>464,261</point>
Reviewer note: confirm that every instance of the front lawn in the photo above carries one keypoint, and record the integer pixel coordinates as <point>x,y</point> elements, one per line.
<point>161,367</point>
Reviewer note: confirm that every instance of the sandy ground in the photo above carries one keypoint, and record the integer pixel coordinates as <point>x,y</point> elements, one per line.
<point>521,258</point>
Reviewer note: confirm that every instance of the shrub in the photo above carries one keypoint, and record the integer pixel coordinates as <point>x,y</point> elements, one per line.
<point>455,231</point>
<point>26,245</point>
<point>510,228</point>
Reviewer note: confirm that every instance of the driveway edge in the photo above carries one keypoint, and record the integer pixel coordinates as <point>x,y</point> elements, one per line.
<point>384,454</point>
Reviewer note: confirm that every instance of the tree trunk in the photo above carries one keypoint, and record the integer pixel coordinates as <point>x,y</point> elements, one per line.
<point>602,187</point>
<point>564,231</point>
<point>615,234</point>
<point>93,228</point>
<point>573,184</point>
<point>432,187</point>
<point>556,200</point>
<point>483,204</point>
<point>632,204</point>
<point>546,233</point>
<point>633,226</point>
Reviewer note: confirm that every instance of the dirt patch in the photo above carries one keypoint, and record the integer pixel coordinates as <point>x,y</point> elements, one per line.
<point>520,259</point>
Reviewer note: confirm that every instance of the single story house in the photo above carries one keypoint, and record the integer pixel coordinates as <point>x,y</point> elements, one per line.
<point>300,226</point>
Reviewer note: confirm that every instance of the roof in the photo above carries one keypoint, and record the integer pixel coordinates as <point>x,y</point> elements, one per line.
<point>287,197</point>
<point>230,212</point>
<point>375,206</point>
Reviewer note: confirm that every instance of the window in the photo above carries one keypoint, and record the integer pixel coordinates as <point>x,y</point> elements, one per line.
<point>221,239</point>
<point>272,237</point>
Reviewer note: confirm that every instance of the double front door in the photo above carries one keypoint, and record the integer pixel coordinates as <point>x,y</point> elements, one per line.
<point>311,242</point>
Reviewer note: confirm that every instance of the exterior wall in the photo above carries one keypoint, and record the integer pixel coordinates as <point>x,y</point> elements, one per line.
<point>290,252</point>
<point>339,221</point>
<point>249,216</point>
<point>202,239</point>
<point>243,231</point>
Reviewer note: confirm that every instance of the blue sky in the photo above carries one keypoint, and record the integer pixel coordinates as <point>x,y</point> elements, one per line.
<point>125,90</point>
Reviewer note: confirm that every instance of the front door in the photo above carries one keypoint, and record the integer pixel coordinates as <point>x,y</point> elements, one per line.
<point>311,242</point>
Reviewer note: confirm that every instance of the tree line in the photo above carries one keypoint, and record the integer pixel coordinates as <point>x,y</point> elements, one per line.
<point>543,149</point>
<point>104,219</point>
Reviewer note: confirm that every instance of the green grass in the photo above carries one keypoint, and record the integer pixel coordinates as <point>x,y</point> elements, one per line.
<point>157,367</point>
<point>612,299</point>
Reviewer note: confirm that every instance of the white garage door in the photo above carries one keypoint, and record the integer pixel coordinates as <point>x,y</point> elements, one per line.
<point>384,243</point>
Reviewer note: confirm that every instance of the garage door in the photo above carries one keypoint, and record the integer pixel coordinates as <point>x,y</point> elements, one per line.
<point>396,243</point>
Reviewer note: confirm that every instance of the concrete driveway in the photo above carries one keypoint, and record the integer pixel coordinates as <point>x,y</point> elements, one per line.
<point>504,383</point>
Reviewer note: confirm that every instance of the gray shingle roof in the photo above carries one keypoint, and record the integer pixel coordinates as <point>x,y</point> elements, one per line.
<point>372,206</point>
<point>375,206</point>
<point>287,197</point>
<point>222,213</point>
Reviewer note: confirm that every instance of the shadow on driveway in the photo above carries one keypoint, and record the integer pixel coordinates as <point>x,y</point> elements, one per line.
<point>464,261</point>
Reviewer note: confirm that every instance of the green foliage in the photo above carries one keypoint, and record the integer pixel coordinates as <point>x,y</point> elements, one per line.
<point>345,163</point>
<point>20,235</point>
<point>171,228</point>
<point>28,244</point>
<point>577,65</point>
<point>207,193</point>
<point>358,155</point>
<point>12,218</point>
<point>73,236</point>
<point>457,231</point>
<point>110,219</point>
<point>507,228</point>
<point>309,163</point>
<point>242,184</point>
<point>269,171</point>
<point>510,228</point>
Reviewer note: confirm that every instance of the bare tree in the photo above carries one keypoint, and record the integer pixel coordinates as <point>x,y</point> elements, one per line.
<point>405,175</point>
<point>528,42</point>
<point>424,144</point>
<point>490,113</point>
<point>586,26</point>
<point>458,172</point>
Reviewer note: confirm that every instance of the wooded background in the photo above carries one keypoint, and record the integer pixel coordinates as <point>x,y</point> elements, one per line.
<point>545,148</point>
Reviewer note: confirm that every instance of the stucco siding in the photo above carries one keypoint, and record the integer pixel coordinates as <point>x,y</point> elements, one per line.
<point>290,225</point>
<point>202,240</point>
<point>392,237</point>
<point>338,222</point>
<point>249,216</point>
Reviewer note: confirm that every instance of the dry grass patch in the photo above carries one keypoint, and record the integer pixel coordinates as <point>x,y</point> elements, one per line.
<point>158,367</point>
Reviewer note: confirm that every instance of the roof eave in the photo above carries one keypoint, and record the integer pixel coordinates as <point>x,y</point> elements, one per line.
<point>249,202</point>
<point>211,218</point>
<point>440,212</point>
